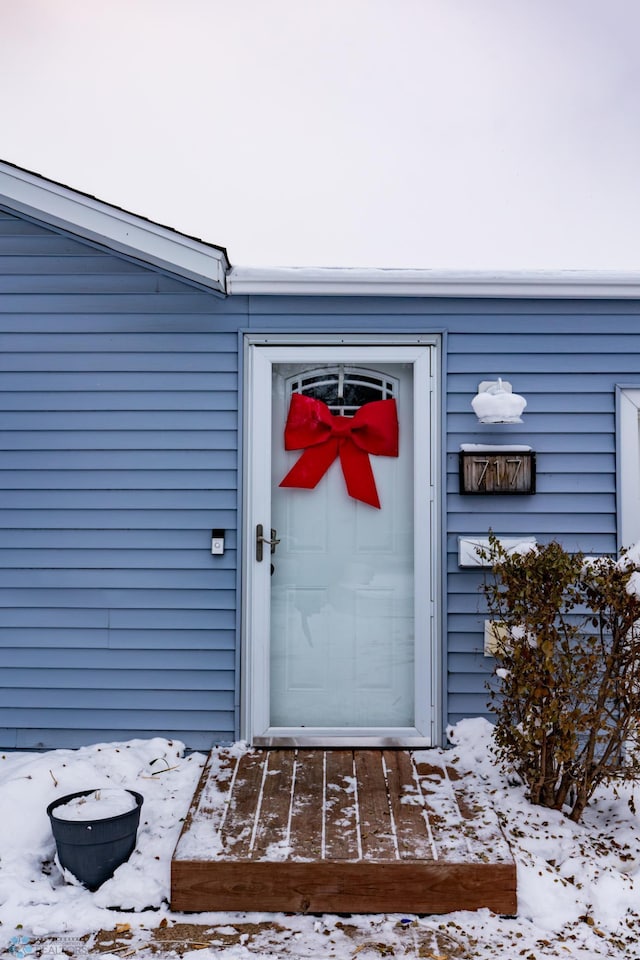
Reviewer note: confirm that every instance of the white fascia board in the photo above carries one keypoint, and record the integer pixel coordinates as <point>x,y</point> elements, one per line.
<point>339,281</point>
<point>111,227</point>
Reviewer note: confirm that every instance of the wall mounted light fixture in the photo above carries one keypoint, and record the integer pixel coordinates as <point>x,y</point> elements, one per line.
<point>495,402</point>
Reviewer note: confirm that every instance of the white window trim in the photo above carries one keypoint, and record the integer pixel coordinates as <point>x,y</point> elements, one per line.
<point>628,464</point>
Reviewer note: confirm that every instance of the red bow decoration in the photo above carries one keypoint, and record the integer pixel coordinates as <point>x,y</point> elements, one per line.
<point>322,436</point>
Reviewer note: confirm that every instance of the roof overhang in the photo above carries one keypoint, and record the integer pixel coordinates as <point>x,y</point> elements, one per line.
<point>111,227</point>
<point>207,264</point>
<point>346,282</point>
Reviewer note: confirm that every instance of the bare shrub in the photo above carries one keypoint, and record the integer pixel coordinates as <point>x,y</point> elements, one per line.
<point>567,699</point>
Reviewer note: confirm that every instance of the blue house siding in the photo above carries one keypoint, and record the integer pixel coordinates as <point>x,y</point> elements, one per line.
<point>119,396</point>
<point>567,370</point>
<point>118,400</point>
<point>565,358</point>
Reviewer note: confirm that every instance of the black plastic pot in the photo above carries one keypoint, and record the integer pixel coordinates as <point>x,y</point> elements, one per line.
<point>92,850</point>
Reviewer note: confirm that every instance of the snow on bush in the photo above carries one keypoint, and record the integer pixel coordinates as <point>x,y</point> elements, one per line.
<point>567,704</point>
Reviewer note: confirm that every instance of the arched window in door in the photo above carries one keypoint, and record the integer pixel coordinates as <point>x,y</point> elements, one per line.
<point>344,389</point>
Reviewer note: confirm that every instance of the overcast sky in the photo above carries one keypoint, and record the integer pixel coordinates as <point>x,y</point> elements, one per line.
<point>456,134</point>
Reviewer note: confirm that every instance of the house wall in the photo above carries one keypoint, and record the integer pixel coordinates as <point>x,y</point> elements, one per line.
<point>118,404</point>
<point>118,399</point>
<point>565,358</point>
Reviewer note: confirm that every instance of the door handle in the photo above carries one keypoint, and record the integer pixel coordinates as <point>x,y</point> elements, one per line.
<point>261,540</point>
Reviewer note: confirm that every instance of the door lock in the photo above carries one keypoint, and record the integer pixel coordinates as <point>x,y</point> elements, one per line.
<point>261,540</point>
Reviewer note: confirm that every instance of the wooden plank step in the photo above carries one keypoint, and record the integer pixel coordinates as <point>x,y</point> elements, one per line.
<point>271,840</point>
<point>307,806</point>
<point>341,828</point>
<point>377,826</point>
<point>237,829</point>
<point>339,831</point>
<point>413,830</point>
<point>342,887</point>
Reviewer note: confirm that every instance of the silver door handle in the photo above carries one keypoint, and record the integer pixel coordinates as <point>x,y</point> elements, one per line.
<point>261,540</point>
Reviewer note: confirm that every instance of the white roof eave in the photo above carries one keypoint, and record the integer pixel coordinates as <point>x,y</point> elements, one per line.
<point>120,231</point>
<point>207,264</point>
<point>360,282</point>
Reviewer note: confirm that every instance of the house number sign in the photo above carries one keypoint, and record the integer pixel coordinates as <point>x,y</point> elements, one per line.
<point>497,471</point>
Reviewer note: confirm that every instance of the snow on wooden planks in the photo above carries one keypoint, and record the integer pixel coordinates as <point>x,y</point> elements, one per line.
<point>347,831</point>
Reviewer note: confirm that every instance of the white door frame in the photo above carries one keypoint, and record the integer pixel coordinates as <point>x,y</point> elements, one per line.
<point>260,353</point>
<point>628,464</point>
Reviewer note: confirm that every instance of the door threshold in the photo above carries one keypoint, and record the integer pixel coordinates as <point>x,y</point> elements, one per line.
<point>343,742</point>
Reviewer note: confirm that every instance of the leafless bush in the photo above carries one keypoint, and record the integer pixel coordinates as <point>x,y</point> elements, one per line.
<point>567,700</point>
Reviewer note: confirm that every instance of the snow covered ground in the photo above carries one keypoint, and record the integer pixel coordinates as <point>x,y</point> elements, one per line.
<point>578,885</point>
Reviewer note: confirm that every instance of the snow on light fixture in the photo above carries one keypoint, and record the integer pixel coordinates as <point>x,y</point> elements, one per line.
<point>495,402</point>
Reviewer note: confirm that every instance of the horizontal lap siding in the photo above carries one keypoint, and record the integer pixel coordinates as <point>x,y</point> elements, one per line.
<point>118,431</point>
<point>567,365</point>
<point>119,423</point>
<point>566,359</point>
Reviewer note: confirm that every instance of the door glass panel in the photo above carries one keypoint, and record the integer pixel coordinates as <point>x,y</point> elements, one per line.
<point>342,631</point>
<point>343,388</point>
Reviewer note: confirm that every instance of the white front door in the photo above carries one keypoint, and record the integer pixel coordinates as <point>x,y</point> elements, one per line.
<point>339,638</point>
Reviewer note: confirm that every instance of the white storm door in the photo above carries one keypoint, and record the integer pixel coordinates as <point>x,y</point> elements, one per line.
<point>339,628</point>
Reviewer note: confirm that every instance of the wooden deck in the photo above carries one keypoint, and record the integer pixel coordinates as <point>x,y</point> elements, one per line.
<point>339,831</point>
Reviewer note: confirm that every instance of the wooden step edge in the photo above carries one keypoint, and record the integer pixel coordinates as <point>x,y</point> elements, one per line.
<point>195,802</point>
<point>423,888</point>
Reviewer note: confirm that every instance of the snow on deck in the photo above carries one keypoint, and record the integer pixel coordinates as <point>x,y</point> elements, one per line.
<point>339,830</point>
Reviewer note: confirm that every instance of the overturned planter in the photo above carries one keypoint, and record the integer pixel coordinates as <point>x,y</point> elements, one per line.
<point>93,849</point>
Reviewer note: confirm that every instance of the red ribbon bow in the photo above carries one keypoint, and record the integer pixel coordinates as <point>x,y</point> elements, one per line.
<point>322,436</point>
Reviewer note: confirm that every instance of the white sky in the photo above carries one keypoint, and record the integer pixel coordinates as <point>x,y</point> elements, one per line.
<point>447,134</point>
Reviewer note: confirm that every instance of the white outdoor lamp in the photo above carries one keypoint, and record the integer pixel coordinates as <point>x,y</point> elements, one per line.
<point>495,402</point>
